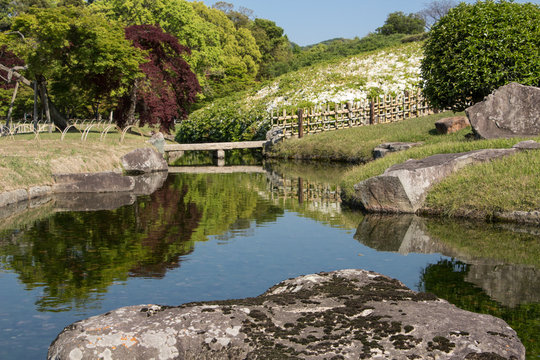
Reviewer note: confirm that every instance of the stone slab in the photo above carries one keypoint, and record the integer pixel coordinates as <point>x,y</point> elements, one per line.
<point>92,182</point>
<point>403,188</point>
<point>12,197</point>
<point>346,314</point>
<point>143,160</point>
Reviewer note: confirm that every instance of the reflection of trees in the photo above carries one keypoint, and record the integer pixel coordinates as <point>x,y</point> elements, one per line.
<point>227,200</point>
<point>311,190</point>
<point>75,256</point>
<point>447,280</point>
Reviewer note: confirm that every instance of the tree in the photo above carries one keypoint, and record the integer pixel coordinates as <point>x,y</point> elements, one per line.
<point>399,23</point>
<point>169,86</point>
<point>241,54</point>
<point>477,48</point>
<point>178,18</point>
<point>435,10</point>
<point>241,17</point>
<point>273,45</point>
<point>74,55</point>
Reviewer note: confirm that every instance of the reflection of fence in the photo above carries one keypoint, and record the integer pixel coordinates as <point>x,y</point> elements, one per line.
<point>375,111</point>
<point>303,190</point>
<point>83,127</point>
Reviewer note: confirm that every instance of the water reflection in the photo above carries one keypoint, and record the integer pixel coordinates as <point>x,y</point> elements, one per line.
<point>75,248</point>
<point>509,284</point>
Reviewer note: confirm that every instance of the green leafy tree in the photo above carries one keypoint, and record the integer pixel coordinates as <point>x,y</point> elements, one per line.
<point>477,48</point>
<point>241,54</point>
<point>273,45</point>
<point>399,23</point>
<point>220,54</point>
<point>77,56</point>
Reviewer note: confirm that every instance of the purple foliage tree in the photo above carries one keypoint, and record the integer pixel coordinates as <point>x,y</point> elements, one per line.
<point>168,87</point>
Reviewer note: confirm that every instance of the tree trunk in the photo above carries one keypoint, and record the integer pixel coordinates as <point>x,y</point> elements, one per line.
<point>132,104</point>
<point>42,85</point>
<point>35,119</point>
<point>51,112</point>
<point>11,104</point>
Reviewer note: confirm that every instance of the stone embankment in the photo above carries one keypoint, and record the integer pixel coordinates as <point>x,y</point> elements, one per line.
<point>147,163</point>
<point>346,314</point>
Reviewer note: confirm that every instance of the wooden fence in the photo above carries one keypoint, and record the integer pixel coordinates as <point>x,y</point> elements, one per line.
<point>375,111</point>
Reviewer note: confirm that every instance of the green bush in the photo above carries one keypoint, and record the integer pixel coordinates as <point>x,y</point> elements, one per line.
<point>226,119</point>
<point>477,48</point>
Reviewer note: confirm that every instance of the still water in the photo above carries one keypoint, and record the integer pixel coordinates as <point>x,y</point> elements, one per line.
<point>220,236</point>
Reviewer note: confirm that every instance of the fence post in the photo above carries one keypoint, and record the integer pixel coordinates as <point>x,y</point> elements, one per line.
<point>371,112</point>
<point>300,123</point>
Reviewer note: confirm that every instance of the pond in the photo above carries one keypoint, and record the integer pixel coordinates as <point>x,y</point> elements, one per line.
<point>221,236</point>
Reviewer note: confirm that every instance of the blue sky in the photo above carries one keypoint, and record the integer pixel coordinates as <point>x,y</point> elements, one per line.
<point>311,21</point>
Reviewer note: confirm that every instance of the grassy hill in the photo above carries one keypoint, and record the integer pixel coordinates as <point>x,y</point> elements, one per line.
<point>244,116</point>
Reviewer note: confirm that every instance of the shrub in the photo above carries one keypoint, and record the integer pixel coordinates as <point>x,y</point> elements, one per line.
<point>477,48</point>
<point>226,119</point>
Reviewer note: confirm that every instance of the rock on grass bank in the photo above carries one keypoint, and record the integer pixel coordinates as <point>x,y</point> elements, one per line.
<point>29,163</point>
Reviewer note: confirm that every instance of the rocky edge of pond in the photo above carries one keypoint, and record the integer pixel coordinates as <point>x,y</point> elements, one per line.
<point>145,171</point>
<point>512,110</point>
<point>403,188</point>
<point>345,314</point>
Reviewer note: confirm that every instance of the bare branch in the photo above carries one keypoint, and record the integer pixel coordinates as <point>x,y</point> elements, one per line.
<point>17,33</point>
<point>12,73</point>
<point>435,10</point>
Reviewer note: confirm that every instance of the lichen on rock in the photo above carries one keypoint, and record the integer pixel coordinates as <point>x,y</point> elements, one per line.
<point>343,314</point>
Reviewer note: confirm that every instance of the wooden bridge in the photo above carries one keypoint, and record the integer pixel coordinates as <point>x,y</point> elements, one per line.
<point>218,147</point>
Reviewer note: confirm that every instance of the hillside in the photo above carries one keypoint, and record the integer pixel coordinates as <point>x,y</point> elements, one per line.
<point>391,70</point>
<point>244,116</point>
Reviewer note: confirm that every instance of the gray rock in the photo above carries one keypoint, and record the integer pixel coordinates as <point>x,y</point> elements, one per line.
<point>347,314</point>
<point>384,148</point>
<point>143,160</point>
<point>525,217</point>
<point>12,197</point>
<point>92,182</point>
<point>274,135</point>
<point>39,191</point>
<point>147,184</point>
<point>158,141</point>
<point>510,111</point>
<point>92,201</point>
<point>403,188</point>
<point>527,145</point>
<point>452,124</point>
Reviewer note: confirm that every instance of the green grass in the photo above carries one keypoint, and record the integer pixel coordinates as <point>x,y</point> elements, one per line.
<point>26,161</point>
<point>507,184</point>
<point>357,144</point>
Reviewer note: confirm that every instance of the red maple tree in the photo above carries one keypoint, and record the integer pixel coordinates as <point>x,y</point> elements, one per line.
<point>169,86</point>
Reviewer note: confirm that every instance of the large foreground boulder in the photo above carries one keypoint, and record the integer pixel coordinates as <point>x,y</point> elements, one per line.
<point>347,314</point>
<point>403,188</point>
<point>510,111</point>
<point>143,160</point>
